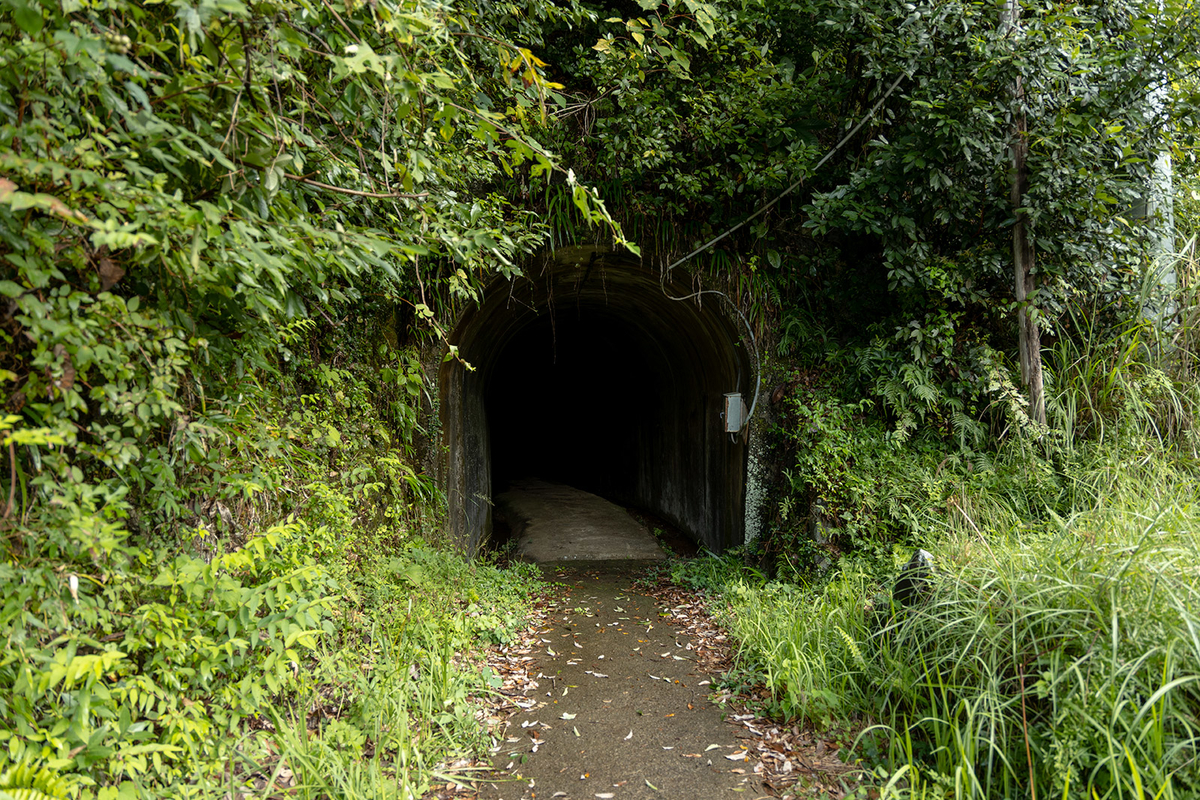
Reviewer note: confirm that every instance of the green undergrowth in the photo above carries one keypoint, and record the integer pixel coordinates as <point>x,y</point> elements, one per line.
<point>1057,650</point>
<point>1064,657</point>
<point>297,622</point>
<point>163,674</point>
<point>1059,657</point>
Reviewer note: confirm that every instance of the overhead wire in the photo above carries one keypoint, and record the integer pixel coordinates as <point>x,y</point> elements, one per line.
<point>751,218</point>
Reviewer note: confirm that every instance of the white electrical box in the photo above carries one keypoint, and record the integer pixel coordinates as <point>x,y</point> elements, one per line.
<point>734,412</point>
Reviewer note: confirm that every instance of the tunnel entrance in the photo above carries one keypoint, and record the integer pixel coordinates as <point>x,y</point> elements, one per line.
<point>589,375</point>
<point>563,399</point>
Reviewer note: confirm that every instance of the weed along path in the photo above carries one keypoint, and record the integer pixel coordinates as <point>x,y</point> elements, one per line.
<point>618,706</point>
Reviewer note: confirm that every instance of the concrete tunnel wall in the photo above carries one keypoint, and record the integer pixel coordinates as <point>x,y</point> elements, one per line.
<point>587,374</point>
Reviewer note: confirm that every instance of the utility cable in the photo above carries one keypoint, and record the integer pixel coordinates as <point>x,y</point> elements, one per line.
<point>755,215</point>
<point>749,332</point>
<point>799,181</point>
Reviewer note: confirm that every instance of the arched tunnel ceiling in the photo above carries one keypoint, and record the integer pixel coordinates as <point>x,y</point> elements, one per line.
<point>587,373</point>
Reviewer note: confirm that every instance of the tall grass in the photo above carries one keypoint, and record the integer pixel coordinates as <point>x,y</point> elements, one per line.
<point>1063,661</point>
<point>1116,371</point>
<point>1058,652</point>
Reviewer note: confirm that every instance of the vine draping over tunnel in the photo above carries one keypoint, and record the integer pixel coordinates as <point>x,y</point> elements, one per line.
<point>589,374</point>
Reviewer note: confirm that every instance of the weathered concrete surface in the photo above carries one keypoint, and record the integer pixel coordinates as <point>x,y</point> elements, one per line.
<point>644,427</point>
<point>552,522</point>
<point>621,708</point>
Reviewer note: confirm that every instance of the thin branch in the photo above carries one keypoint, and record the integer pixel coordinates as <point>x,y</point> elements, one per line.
<point>531,145</point>
<point>355,192</point>
<point>12,480</point>
<point>338,17</point>
<point>156,100</point>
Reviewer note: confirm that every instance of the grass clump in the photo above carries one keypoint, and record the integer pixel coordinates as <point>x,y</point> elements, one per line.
<point>1057,653</point>
<point>1064,660</point>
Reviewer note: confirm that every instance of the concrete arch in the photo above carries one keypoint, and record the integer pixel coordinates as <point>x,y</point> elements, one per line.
<point>588,374</point>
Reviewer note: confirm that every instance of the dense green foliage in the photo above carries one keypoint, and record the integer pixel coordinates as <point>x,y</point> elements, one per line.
<point>229,228</point>
<point>900,245</point>
<point>303,630</point>
<point>217,223</point>
<point>1056,652</point>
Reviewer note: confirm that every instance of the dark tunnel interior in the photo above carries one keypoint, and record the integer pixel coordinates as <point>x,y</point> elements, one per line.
<point>590,375</point>
<point>563,404</point>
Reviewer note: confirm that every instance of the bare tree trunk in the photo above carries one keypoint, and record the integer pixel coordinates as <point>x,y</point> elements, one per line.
<point>1029,337</point>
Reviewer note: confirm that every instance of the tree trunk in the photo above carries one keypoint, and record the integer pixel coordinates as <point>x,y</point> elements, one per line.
<point>1029,338</point>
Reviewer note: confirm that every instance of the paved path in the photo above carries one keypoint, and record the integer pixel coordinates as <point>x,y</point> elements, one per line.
<point>552,522</point>
<point>621,708</point>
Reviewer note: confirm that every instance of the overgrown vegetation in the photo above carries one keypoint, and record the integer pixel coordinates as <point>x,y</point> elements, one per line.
<point>221,553</point>
<point>306,634</point>
<point>1056,652</point>
<point>234,236</point>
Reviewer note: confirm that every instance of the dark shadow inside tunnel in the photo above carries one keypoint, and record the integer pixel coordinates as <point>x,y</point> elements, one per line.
<point>564,401</point>
<point>595,378</point>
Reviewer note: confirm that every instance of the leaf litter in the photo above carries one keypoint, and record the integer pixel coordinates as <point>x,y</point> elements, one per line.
<point>787,758</point>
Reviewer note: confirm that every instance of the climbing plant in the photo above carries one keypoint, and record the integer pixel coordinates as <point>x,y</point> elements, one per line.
<point>209,212</point>
<point>695,113</point>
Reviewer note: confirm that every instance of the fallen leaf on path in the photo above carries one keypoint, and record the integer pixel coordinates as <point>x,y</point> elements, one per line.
<point>711,747</point>
<point>737,756</point>
<point>604,795</point>
<point>575,729</point>
<point>550,651</point>
<point>630,736</point>
<point>565,715</point>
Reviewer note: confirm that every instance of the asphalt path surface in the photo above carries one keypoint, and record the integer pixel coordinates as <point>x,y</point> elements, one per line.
<point>621,707</point>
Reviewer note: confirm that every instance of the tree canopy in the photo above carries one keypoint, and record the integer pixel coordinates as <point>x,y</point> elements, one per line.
<point>701,111</point>
<point>207,207</point>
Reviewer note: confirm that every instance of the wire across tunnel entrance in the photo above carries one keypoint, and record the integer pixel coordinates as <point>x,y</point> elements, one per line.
<point>587,374</point>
